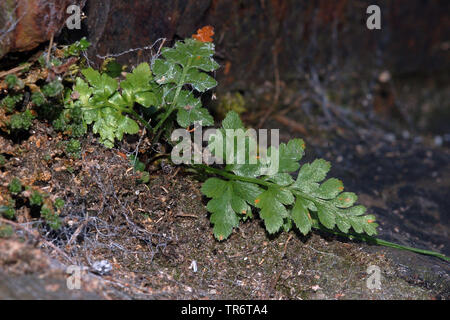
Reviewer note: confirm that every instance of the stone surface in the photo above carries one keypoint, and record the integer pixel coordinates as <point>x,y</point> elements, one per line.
<point>24,24</point>
<point>256,38</point>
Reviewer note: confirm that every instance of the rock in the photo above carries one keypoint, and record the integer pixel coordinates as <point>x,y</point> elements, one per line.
<point>24,24</point>
<point>255,38</point>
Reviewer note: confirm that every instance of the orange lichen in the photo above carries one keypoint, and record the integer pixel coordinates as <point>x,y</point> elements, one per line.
<point>204,34</point>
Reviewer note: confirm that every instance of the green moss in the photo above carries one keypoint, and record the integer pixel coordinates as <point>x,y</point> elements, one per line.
<point>52,89</point>
<point>73,148</point>
<point>15,186</point>
<point>11,80</point>
<point>21,121</point>
<point>50,217</point>
<point>38,98</point>
<point>59,203</point>
<point>36,199</point>
<point>10,102</point>
<point>8,211</point>
<point>231,102</point>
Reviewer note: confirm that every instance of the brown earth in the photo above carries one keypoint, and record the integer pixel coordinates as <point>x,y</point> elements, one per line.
<point>152,234</point>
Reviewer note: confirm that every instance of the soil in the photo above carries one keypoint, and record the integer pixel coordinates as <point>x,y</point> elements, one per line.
<point>158,239</point>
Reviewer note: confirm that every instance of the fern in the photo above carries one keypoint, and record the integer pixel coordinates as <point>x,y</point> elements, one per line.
<point>306,202</point>
<point>109,105</point>
<point>294,196</point>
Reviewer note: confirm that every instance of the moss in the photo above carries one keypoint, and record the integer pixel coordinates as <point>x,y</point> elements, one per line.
<point>36,199</point>
<point>10,102</point>
<point>21,121</point>
<point>38,98</point>
<point>15,186</point>
<point>230,102</point>
<point>50,217</point>
<point>59,203</point>
<point>11,80</point>
<point>52,89</point>
<point>73,148</point>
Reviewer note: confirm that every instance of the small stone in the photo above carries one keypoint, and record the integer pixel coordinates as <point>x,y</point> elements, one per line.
<point>102,267</point>
<point>316,287</point>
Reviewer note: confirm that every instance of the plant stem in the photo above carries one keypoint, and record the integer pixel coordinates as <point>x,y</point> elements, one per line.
<point>164,118</point>
<point>381,242</point>
<point>365,238</point>
<point>232,176</point>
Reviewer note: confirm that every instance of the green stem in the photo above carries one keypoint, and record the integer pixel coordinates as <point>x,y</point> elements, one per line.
<point>164,118</point>
<point>381,242</point>
<point>365,238</point>
<point>232,176</point>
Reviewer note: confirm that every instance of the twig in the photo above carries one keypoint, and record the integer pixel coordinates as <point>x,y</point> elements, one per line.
<point>291,124</point>
<point>47,60</point>
<point>285,245</point>
<point>186,215</point>
<point>14,70</point>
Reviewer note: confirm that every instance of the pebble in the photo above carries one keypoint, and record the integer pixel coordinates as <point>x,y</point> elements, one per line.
<point>102,267</point>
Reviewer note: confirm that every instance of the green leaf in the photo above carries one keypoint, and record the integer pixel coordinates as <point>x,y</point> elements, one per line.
<point>343,224</point>
<point>230,203</point>
<point>223,216</point>
<point>282,179</point>
<point>21,120</point>
<point>345,200</point>
<point>187,117</point>
<point>103,85</point>
<point>272,210</point>
<point>247,191</point>
<point>301,217</point>
<point>290,155</point>
<point>137,87</point>
<point>126,125</point>
<point>281,199</point>
<point>285,196</point>
<point>53,89</point>
<point>83,90</point>
<point>330,189</point>
<point>356,210</point>
<point>146,99</point>
<point>189,110</point>
<point>200,81</point>
<point>314,172</point>
<point>166,72</point>
<point>232,121</point>
<point>326,217</point>
<point>113,69</point>
<point>214,187</point>
<point>193,54</point>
